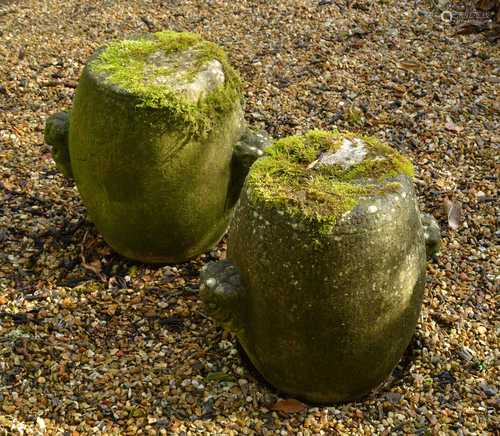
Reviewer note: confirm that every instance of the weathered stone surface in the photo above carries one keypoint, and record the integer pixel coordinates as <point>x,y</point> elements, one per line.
<point>56,134</point>
<point>349,154</point>
<point>151,145</point>
<point>251,146</point>
<point>222,293</point>
<point>207,77</point>
<point>247,150</point>
<point>432,234</point>
<point>329,294</point>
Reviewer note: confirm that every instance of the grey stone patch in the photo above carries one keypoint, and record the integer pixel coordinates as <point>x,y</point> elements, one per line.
<point>489,390</point>
<point>170,70</point>
<point>350,153</point>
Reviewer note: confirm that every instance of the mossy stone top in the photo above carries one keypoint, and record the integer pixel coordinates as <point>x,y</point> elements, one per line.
<point>151,140</point>
<point>319,177</point>
<point>180,72</point>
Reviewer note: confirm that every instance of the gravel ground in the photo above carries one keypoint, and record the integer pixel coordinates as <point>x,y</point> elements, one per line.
<point>91,343</point>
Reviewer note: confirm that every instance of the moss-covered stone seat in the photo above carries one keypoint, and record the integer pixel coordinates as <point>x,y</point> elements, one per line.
<point>157,144</point>
<point>326,265</point>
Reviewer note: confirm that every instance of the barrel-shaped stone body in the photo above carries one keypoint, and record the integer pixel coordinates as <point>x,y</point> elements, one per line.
<point>327,317</point>
<point>154,191</point>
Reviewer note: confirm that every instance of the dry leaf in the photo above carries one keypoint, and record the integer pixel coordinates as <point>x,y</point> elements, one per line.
<point>47,156</point>
<point>136,300</point>
<point>447,205</point>
<point>472,27</point>
<point>94,266</point>
<point>62,369</point>
<point>111,309</point>
<point>3,299</point>
<point>413,66</point>
<point>486,5</point>
<point>289,406</point>
<point>220,377</point>
<point>7,185</point>
<point>104,251</point>
<point>359,413</point>
<point>453,210</point>
<point>69,303</point>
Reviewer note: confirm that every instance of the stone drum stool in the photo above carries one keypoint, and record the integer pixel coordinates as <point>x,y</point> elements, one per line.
<point>326,265</point>
<point>157,144</point>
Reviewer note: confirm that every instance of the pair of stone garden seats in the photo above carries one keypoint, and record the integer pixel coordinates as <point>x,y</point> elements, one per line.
<point>326,248</point>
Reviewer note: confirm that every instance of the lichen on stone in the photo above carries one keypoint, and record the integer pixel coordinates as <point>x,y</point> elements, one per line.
<point>320,176</point>
<point>173,71</point>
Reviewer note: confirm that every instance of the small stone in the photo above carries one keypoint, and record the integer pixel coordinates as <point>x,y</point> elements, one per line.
<point>211,282</point>
<point>40,422</point>
<point>394,397</point>
<point>208,77</point>
<point>489,390</point>
<point>482,330</point>
<point>466,354</point>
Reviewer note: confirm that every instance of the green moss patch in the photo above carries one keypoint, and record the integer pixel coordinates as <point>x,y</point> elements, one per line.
<point>127,64</point>
<point>293,177</point>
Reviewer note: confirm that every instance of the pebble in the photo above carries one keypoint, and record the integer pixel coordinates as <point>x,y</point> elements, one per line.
<point>489,390</point>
